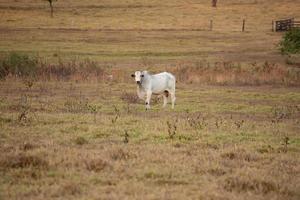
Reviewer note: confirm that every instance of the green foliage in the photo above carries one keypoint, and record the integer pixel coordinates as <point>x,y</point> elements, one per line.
<point>18,64</point>
<point>291,42</point>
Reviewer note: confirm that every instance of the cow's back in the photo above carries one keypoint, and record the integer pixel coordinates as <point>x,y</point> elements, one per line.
<point>162,81</point>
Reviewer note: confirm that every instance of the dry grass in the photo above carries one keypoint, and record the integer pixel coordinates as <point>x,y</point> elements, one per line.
<point>23,161</point>
<point>229,73</point>
<point>130,98</point>
<point>200,72</point>
<point>77,131</point>
<point>229,142</point>
<point>161,31</point>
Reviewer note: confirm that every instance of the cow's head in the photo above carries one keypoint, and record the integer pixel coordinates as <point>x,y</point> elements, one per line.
<point>138,76</point>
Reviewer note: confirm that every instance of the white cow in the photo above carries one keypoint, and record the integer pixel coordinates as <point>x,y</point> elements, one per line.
<point>159,84</point>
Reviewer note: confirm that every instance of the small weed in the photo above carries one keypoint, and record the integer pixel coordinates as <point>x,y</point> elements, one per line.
<point>119,154</point>
<point>94,109</point>
<point>218,122</point>
<point>23,115</point>
<point>239,123</point>
<point>185,137</point>
<point>80,140</point>
<point>172,128</point>
<point>96,165</point>
<point>29,83</point>
<point>117,115</point>
<point>116,109</point>
<point>285,143</point>
<point>197,122</point>
<point>114,119</point>
<point>126,136</point>
<point>24,110</point>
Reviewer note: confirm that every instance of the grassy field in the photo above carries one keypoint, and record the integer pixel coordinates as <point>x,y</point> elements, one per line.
<point>76,129</point>
<point>123,32</point>
<point>95,141</point>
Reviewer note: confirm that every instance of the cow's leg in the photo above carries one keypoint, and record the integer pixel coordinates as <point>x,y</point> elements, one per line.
<point>165,95</point>
<point>141,94</point>
<point>149,93</point>
<point>165,100</point>
<point>173,98</point>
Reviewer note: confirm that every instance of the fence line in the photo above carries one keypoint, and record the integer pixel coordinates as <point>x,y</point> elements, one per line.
<point>285,24</point>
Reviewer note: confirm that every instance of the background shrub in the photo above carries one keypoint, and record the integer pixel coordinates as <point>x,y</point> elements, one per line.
<point>18,64</point>
<point>291,42</point>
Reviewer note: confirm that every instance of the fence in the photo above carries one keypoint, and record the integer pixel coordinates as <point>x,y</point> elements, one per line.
<point>296,24</point>
<point>285,24</point>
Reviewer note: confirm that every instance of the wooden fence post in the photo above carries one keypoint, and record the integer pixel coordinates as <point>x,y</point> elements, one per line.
<point>243,27</point>
<point>211,25</point>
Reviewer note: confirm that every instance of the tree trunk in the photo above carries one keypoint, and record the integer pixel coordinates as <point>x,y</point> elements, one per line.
<point>214,3</point>
<point>51,7</point>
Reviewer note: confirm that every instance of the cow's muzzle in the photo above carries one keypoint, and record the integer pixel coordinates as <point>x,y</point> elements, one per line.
<point>138,82</point>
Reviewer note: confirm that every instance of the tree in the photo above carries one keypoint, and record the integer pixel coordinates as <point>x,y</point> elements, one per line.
<point>214,3</point>
<point>51,6</point>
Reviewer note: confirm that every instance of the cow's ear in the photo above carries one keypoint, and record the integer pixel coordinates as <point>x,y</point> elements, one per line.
<point>132,75</point>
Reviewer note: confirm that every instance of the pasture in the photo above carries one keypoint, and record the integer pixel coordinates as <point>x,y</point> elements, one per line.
<point>91,141</point>
<point>76,130</point>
